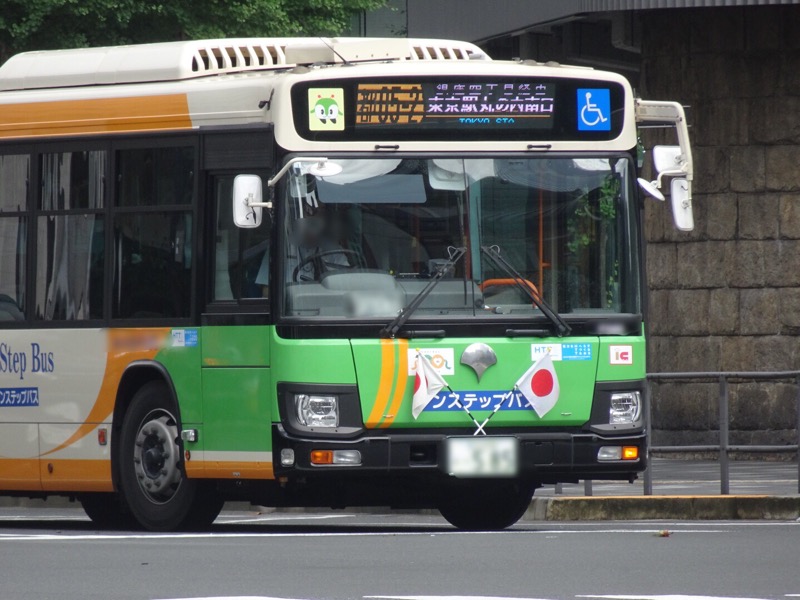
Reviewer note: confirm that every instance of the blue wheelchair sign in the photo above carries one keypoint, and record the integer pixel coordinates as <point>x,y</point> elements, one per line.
<point>594,109</point>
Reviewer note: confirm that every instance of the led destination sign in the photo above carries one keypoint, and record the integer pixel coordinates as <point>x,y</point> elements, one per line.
<point>525,104</point>
<point>464,108</point>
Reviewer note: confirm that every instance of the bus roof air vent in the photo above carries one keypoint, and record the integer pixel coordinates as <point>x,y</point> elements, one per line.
<point>446,50</point>
<point>223,57</point>
<point>175,61</point>
<point>352,50</point>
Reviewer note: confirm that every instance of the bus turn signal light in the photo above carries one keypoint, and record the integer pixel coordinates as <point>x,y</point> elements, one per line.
<point>322,457</point>
<point>336,457</point>
<point>630,453</point>
<point>615,453</point>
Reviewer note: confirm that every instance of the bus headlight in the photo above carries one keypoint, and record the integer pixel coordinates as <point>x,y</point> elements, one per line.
<point>625,408</point>
<point>320,410</point>
<point>317,411</point>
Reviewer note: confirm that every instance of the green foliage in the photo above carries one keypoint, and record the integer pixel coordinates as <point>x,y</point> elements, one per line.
<point>590,226</point>
<point>592,207</point>
<point>50,24</point>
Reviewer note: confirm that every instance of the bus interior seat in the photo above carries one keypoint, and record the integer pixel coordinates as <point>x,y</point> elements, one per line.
<point>9,311</point>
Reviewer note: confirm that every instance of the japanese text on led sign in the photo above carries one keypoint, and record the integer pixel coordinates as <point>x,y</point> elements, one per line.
<point>454,104</point>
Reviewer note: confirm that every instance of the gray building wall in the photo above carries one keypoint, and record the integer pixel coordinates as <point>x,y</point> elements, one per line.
<point>727,296</point>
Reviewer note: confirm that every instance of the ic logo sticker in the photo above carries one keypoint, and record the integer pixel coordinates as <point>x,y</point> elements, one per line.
<point>620,355</point>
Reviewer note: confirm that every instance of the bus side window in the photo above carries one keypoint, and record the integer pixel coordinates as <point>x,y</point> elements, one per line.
<point>70,247</point>
<point>241,256</point>
<point>153,229</point>
<point>14,174</point>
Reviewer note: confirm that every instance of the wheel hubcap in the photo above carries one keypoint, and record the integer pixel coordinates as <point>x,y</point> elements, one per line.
<point>156,457</point>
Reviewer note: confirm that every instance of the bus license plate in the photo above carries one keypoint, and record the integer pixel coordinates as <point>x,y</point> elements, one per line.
<point>483,456</point>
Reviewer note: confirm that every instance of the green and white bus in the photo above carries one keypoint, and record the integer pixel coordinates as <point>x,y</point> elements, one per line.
<point>321,273</point>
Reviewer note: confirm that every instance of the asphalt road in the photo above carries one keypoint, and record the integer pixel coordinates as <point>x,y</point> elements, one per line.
<point>57,554</point>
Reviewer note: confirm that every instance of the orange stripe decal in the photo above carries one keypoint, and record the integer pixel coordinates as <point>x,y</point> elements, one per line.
<point>385,384</point>
<point>71,117</point>
<point>75,475</point>
<point>20,474</point>
<point>116,362</point>
<point>219,469</point>
<point>400,383</point>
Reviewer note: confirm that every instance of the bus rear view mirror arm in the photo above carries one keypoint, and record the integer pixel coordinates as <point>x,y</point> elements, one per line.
<point>671,161</point>
<point>320,167</point>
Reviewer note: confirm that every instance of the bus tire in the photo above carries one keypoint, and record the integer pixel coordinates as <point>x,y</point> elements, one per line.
<point>106,510</point>
<point>152,478</point>
<point>487,505</point>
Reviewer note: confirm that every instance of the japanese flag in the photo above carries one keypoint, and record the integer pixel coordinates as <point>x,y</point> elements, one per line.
<point>427,384</point>
<point>539,385</point>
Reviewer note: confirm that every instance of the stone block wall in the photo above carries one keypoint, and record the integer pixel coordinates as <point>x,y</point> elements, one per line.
<point>726,297</point>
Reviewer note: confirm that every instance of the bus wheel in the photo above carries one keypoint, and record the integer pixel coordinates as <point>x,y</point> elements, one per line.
<point>151,470</point>
<point>107,511</point>
<point>485,505</point>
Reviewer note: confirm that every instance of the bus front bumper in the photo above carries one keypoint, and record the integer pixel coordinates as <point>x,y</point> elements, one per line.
<point>542,457</point>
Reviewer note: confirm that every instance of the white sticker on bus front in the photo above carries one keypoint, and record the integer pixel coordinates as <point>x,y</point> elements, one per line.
<point>184,338</point>
<point>539,350</point>
<point>620,355</point>
<point>442,360</point>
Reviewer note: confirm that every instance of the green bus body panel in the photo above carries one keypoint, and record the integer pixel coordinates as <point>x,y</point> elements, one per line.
<point>226,381</point>
<point>313,361</point>
<point>238,415</point>
<point>182,362</point>
<point>382,371</point>
<point>236,346</point>
<point>223,384</point>
<point>237,389</point>
<point>617,346</point>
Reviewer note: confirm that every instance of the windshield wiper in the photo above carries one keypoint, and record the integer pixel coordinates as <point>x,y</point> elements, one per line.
<point>561,326</point>
<point>397,323</point>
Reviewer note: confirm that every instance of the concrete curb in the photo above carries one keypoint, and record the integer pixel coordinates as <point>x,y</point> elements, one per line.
<point>689,508</point>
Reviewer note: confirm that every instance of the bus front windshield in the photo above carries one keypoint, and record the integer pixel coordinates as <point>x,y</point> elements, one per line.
<point>491,232</point>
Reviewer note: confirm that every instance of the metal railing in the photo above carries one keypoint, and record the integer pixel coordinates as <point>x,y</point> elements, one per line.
<point>724,448</point>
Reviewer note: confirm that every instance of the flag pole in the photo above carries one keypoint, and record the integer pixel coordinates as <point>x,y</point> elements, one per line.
<point>494,412</point>
<point>440,383</point>
<point>469,414</point>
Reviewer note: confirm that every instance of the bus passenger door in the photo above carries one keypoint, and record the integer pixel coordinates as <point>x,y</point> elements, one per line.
<point>236,435</point>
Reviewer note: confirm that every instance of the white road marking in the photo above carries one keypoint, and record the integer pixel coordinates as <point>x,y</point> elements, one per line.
<point>755,523</point>
<point>34,537</point>
<point>234,598</point>
<point>275,517</point>
<point>393,597</point>
<point>224,535</point>
<point>667,597</point>
<point>450,598</point>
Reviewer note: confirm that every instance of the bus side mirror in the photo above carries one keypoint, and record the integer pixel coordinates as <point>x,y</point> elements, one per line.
<point>667,159</point>
<point>651,189</point>
<point>248,201</point>
<point>670,161</point>
<point>680,196</point>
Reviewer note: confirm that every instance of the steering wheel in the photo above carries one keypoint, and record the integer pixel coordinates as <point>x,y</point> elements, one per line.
<point>511,282</point>
<point>321,266</point>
